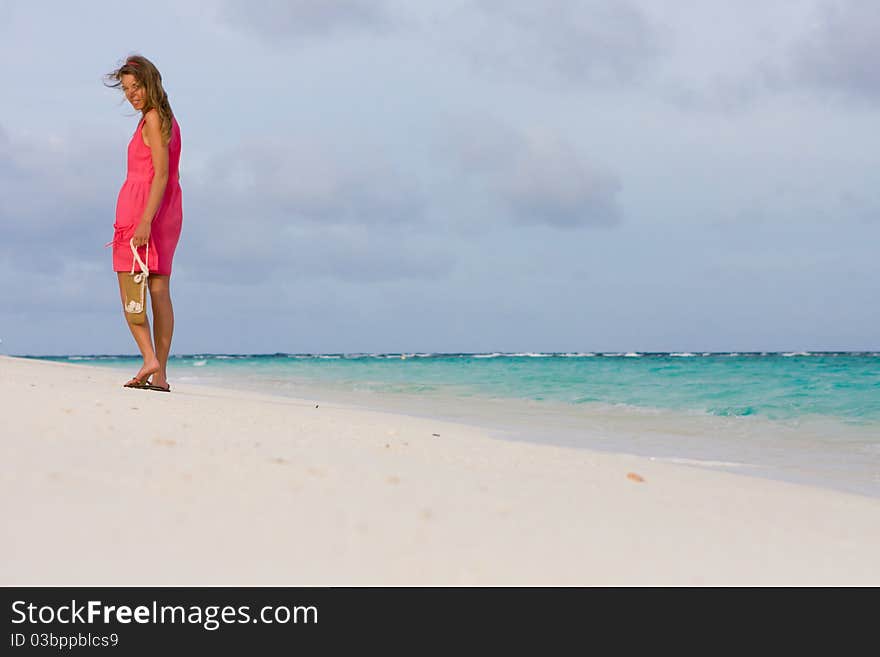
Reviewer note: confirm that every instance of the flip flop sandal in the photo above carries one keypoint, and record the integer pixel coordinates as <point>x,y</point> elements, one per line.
<point>135,383</point>
<point>150,386</point>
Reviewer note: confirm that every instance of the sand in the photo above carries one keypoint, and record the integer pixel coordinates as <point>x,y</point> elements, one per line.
<point>103,485</point>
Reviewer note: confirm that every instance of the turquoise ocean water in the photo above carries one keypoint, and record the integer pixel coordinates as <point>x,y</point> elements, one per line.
<point>805,417</point>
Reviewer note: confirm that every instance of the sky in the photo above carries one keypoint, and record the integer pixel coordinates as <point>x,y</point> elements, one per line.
<point>456,176</point>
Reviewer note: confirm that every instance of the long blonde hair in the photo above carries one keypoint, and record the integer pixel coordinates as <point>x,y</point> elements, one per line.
<point>148,76</point>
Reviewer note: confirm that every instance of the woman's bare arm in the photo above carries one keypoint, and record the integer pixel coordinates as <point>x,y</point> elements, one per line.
<point>159,152</point>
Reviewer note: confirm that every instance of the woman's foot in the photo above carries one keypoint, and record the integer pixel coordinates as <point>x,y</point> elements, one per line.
<point>159,382</point>
<point>139,380</point>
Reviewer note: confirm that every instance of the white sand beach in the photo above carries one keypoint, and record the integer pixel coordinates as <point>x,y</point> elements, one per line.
<point>103,485</point>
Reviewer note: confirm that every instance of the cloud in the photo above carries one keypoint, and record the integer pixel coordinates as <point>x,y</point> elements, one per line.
<point>536,177</point>
<point>840,52</point>
<point>859,206</point>
<point>248,249</point>
<point>291,19</point>
<point>58,196</point>
<point>563,40</point>
<point>304,180</point>
<point>363,255</point>
<point>63,287</point>
<point>262,207</point>
<point>250,212</point>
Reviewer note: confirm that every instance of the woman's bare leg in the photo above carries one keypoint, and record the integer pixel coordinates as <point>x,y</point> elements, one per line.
<point>141,335</point>
<point>163,324</point>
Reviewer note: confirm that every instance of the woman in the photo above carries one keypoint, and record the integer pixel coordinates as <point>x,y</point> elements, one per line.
<point>149,211</point>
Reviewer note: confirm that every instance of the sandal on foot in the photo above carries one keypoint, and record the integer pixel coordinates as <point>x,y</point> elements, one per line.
<point>136,383</point>
<point>150,386</point>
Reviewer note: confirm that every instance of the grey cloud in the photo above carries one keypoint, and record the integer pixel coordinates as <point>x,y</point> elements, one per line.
<point>250,249</point>
<point>250,213</point>
<point>285,213</point>
<point>52,203</point>
<point>66,286</point>
<point>569,40</point>
<point>281,20</point>
<point>294,207</point>
<point>840,54</point>
<point>365,255</point>
<point>861,207</point>
<point>550,184</point>
<point>724,94</point>
<point>537,178</point>
<point>304,180</point>
<point>57,203</point>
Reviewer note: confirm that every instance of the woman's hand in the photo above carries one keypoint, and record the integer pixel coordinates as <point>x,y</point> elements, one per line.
<point>141,234</point>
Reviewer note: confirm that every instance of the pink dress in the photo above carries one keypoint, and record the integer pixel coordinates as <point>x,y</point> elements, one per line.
<point>165,229</point>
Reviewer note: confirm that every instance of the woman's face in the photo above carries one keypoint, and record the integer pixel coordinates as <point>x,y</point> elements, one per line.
<point>134,92</point>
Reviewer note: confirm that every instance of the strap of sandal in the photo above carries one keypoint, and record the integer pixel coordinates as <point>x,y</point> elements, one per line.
<point>137,259</point>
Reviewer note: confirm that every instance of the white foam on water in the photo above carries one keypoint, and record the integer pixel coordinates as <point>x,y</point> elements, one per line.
<point>702,462</point>
<point>683,354</point>
<point>199,363</point>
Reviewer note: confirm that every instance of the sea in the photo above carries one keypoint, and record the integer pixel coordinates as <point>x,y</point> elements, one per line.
<point>803,417</point>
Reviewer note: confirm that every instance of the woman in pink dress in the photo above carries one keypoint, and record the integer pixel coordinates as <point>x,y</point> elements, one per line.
<point>149,211</point>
